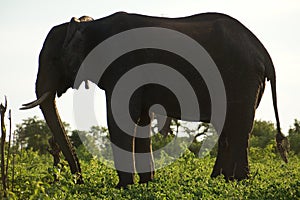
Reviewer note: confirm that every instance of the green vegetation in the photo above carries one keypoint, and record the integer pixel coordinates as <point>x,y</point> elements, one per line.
<point>186,178</point>
<point>263,134</point>
<point>33,134</point>
<point>294,137</point>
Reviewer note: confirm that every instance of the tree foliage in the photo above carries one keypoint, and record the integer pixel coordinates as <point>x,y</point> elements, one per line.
<point>294,137</point>
<point>263,134</point>
<point>76,137</point>
<point>33,133</point>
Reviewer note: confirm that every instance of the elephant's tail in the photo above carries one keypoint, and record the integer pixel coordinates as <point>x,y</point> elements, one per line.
<point>281,140</point>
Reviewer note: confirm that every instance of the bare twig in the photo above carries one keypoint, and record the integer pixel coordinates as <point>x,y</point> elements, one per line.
<point>3,136</point>
<point>8,148</point>
<point>13,161</point>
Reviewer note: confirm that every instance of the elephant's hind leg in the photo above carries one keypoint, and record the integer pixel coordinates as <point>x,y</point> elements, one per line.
<point>223,157</point>
<point>144,162</point>
<point>232,158</point>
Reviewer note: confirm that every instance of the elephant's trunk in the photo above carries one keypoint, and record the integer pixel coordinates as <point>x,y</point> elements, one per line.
<point>46,101</point>
<point>54,122</point>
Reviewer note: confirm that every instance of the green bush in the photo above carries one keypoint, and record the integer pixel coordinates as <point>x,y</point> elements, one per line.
<point>186,178</point>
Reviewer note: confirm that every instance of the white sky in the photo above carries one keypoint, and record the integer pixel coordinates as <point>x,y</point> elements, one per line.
<point>25,24</point>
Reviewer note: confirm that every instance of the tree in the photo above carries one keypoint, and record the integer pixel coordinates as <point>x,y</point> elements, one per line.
<point>34,133</point>
<point>263,134</point>
<point>76,137</point>
<point>294,137</point>
<point>94,142</point>
<point>205,140</point>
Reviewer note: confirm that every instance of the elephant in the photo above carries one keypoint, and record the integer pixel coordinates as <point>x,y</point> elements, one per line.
<point>241,59</point>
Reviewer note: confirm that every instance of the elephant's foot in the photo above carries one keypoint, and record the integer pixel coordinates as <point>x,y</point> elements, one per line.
<point>123,185</point>
<point>125,179</point>
<point>239,172</point>
<point>146,177</point>
<point>217,171</point>
<point>236,171</point>
<point>79,179</point>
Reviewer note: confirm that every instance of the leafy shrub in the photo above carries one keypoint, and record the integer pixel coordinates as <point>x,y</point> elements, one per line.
<point>186,178</point>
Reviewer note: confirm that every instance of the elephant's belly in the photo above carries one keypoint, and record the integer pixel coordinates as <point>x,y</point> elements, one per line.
<point>160,100</point>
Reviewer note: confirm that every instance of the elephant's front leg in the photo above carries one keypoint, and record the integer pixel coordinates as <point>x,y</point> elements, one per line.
<point>54,150</point>
<point>122,146</point>
<point>144,161</point>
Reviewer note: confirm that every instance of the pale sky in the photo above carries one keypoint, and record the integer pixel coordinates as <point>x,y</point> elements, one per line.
<point>25,24</point>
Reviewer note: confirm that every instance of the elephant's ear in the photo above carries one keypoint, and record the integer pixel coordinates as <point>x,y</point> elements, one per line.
<point>72,29</point>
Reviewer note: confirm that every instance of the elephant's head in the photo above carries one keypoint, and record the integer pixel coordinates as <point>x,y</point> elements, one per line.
<point>60,57</point>
<point>59,61</point>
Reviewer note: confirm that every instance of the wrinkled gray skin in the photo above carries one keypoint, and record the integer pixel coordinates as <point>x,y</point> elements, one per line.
<point>242,60</point>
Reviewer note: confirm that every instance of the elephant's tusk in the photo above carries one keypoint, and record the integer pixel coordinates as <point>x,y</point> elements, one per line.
<point>35,102</point>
